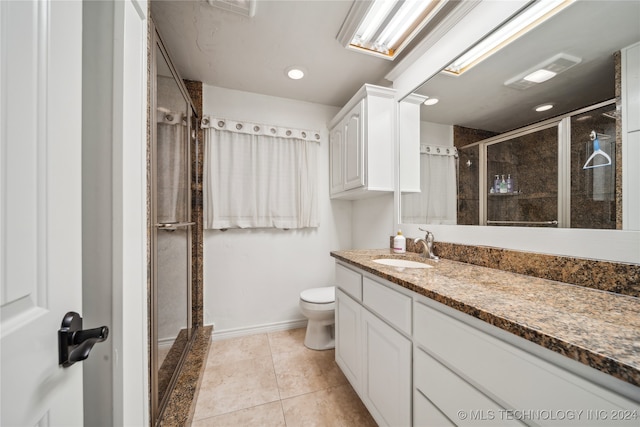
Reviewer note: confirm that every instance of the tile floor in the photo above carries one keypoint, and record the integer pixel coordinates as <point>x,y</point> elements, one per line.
<point>274,380</point>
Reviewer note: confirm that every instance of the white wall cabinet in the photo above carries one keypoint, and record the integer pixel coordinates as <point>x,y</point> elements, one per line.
<point>362,145</point>
<point>416,362</point>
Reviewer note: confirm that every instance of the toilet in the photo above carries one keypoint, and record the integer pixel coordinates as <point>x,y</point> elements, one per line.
<point>318,305</point>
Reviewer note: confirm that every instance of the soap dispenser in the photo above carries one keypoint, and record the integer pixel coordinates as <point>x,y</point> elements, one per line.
<point>503,185</point>
<point>399,243</point>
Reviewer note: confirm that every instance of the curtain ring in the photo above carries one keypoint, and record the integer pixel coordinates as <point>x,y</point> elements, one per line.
<point>304,134</point>
<point>238,126</point>
<point>256,128</point>
<point>205,121</point>
<point>288,133</point>
<point>169,117</point>
<point>273,131</point>
<point>317,136</point>
<point>438,150</point>
<point>220,124</point>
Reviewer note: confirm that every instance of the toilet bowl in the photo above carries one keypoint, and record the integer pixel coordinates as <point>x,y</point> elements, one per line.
<point>318,305</point>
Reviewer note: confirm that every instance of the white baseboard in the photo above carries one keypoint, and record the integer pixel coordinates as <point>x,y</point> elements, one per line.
<point>257,329</point>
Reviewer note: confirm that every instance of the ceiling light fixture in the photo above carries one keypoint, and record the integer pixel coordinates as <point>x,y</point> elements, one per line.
<point>431,101</point>
<point>543,107</point>
<point>295,73</point>
<point>543,71</point>
<point>539,76</point>
<point>384,27</point>
<point>528,19</point>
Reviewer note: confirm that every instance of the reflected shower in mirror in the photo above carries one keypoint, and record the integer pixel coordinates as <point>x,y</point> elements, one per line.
<point>490,114</point>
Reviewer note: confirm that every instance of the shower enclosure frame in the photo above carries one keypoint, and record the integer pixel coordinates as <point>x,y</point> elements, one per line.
<point>157,406</point>
<point>563,124</point>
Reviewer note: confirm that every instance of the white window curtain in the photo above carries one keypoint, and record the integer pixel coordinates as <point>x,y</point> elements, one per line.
<point>172,166</point>
<point>436,202</point>
<point>259,176</point>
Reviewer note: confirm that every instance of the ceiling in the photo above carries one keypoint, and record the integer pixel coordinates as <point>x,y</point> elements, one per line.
<point>590,30</point>
<point>225,49</point>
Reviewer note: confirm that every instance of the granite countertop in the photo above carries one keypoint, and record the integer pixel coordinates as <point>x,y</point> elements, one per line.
<point>598,328</point>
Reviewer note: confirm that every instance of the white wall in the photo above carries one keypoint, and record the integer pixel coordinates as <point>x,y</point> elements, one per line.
<point>372,222</point>
<point>253,278</point>
<point>436,134</point>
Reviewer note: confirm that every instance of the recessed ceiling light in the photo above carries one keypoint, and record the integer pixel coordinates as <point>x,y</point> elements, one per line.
<point>295,73</point>
<point>431,101</point>
<point>543,107</point>
<point>540,76</point>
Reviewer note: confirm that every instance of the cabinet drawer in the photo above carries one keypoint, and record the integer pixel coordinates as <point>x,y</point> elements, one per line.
<point>349,281</point>
<point>426,414</point>
<point>458,400</point>
<point>513,377</point>
<point>391,305</point>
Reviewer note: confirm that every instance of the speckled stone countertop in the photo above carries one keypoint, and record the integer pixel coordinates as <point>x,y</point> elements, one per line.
<point>598,328</point>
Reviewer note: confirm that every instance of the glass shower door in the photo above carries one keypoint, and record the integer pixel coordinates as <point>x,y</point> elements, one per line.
<point>522,175</point>
<point>171,244</point>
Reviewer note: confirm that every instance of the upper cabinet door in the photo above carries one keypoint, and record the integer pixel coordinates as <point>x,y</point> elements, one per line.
<point>336,172</point>
<point>354,148</point>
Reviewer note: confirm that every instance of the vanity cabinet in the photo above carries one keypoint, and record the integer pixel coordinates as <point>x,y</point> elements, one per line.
<point>498,383</point>
<point>361,145</point>
<point>416,362</point>
<point>374,356</point>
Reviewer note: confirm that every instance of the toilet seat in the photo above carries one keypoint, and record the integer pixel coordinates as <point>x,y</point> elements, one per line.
<point>324,295</point>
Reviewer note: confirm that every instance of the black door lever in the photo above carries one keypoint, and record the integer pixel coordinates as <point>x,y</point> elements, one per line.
<point>74,343</point>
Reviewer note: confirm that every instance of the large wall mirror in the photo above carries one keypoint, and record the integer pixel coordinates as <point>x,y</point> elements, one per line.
<point>501,163</point>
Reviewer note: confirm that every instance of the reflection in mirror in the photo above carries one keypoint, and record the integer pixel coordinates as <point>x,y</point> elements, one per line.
<point>481,113</point>
<point>171,238</point>
<point>522,175</point>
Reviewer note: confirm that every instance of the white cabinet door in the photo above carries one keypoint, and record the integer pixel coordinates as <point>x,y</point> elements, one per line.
<point>354,148</point>
<point>348,342</point>
<point>387,372</point>
<point>336,153</point>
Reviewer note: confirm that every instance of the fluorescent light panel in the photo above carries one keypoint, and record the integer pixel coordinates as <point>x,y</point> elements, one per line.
<point>389,25</point>
<point>528,19</point>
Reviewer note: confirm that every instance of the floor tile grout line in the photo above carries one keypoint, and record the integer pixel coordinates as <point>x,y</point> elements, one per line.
<point>273,364</point>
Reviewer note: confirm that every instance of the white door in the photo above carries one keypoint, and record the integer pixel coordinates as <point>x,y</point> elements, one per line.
<point>40,208</point>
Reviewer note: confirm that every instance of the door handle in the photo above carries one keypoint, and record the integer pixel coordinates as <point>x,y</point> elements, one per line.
<point>75,343</point>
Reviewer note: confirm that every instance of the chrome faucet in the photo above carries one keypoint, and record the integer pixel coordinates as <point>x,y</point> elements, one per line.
<point>427,243</point>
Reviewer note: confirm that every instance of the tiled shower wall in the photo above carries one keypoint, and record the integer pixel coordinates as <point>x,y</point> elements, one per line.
<point>197,155</point>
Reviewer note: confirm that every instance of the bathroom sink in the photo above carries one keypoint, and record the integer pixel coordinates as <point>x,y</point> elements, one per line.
<point>401,263</point>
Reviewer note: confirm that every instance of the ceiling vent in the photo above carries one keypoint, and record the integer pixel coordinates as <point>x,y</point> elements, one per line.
<point>242,7</point>
<point>549,68</point>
